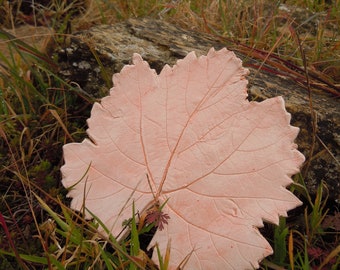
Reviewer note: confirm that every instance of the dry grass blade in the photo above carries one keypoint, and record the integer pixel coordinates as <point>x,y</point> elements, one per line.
<point>24,47</point>
<point>61,123</point>
<point>333,255</point>
<point>272,63</point>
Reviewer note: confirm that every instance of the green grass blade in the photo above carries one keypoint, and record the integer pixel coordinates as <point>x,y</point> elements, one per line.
<point>134,244</point>
<point>26,257</point>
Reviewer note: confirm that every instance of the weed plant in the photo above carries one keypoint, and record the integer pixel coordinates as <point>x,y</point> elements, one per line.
<point>40,111</point>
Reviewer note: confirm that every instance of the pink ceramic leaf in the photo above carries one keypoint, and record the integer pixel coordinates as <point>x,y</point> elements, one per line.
<point>189,136</point>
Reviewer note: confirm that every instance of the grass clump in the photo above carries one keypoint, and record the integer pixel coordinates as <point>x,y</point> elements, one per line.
<point>39,112</point>
<point>305,241</point>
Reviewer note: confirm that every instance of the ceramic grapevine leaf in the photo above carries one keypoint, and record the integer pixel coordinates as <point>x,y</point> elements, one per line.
<point>190,138</point>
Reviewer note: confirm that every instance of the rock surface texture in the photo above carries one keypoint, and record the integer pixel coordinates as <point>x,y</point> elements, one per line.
<point>92,56</point>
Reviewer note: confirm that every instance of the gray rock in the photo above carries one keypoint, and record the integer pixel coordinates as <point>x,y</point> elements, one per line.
<point>92,56</point>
